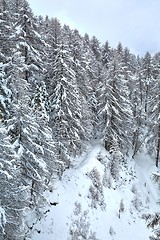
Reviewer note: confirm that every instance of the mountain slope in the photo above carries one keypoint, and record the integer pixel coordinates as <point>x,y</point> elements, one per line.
<point>99,200</point>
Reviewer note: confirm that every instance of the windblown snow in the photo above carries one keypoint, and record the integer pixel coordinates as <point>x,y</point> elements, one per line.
<point>100,198</point>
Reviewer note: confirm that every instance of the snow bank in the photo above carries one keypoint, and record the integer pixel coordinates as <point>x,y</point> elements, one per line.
<point>88,203</point>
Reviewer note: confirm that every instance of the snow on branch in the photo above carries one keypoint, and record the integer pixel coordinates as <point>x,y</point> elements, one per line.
<point>2,219</point>
<point>156,177</point>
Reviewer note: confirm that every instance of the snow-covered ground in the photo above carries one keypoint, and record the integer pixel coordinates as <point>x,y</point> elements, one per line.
<point>91,203</point>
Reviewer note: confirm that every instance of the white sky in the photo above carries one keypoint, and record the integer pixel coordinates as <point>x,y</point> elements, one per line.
<point>135,23</point>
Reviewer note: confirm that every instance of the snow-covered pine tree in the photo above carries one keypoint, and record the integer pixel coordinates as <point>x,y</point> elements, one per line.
<point>115,106</point>
<point>67,36</point>
<point>65,107</point>
<point>84,88</point>
<point>82,52</point>
<point>13,193</point>
<point>147,74</point>
<point>153,120</point>
<point>52,32</point>
<point>6,31</point>
<point>93,74</point>
<point>106,54</point>
<point>134,83</point>
<point>138,113</point>
<point>2,93</point>
<point>95,46</point>
<point>29,43</point>
<point>28,122</point>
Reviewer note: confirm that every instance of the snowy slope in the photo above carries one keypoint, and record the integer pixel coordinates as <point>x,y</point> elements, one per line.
<point>90,203</point>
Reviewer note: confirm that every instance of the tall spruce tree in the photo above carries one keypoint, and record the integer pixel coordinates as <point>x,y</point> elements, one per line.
<point>28,122</point>
<point>115,108</point>
<point>153,120</point>
<point>13,192</point>
<point>65,107</point>
<point>84,88</point>
<point>6,31</point>
<point>147,74</point>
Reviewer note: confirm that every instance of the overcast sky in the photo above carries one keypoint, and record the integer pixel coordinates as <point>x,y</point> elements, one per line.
<point>135,23</point>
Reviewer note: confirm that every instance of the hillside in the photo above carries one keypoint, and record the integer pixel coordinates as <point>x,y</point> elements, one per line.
<point>90,202</point>
<point>62,97</point>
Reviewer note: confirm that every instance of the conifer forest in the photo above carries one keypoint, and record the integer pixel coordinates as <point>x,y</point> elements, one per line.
<point>59,91</point>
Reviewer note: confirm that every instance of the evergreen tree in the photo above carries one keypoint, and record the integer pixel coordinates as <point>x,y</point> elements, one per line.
<point>93,73</point>
<point>153,121</point>
<point>138,113</point>
<point>28,122</point>
<point>65,107</point>
<point>2,93</point>
<point>106,54</point>
<point>84,88</point>
<point>115,106</point>
<point>147,74</point>
<point>95,46</point>
<point>6,31</point>
<point>13,194</point>
<point>53,35</point>
<point>133,78</point>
